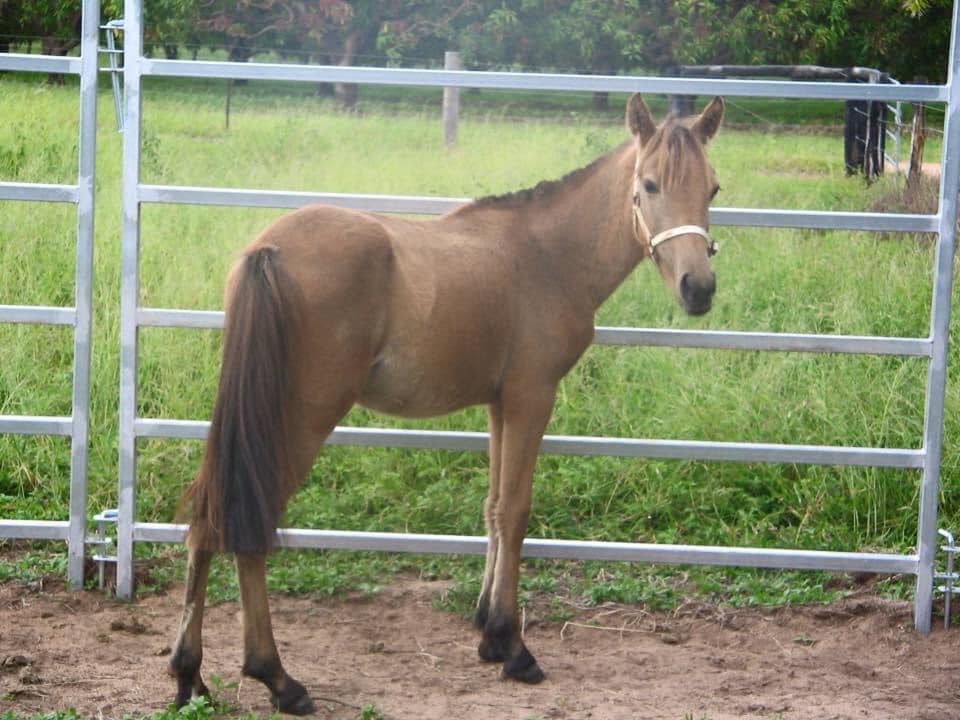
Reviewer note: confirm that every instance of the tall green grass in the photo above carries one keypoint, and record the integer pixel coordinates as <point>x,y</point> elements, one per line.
<point>778,280</point>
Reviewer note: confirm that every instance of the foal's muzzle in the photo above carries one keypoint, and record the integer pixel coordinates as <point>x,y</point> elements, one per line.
<point>696,291</point>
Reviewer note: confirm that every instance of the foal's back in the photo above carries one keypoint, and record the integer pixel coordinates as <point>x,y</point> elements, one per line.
<point>420,315</point>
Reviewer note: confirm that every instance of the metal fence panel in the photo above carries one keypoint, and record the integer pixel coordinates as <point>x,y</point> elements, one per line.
<point>80,316</point>
<point>932,347</point>
<point>939,332</point>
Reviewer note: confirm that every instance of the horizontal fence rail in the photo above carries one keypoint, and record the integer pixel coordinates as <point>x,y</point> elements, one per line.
<point>38,314</point>
<point>36,425</point>
<point>931,348</point>
<point>39,192</point>
<point>569,549</point>
<point>414,205</point>
<point>580,445</point>
<point>651,337</point>
<point>540,81</point>
<point>23,62</point>
<point>35,529</point>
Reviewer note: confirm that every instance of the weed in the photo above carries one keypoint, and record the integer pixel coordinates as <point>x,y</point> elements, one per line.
<point>370,712</point>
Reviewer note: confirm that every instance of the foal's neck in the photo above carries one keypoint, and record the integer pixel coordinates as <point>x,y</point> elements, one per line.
<point>586,224</point>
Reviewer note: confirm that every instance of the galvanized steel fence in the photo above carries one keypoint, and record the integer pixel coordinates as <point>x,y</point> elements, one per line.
<point>933,347</point>
<point>133,316</point>
<point>76,425</point>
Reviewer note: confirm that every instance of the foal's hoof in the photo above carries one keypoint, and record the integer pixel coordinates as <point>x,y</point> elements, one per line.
<point>187,690</point>
<point>294,700</point>
<point>524,668</point>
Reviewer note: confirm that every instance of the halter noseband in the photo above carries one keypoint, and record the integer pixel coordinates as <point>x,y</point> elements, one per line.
<point>661,237</point>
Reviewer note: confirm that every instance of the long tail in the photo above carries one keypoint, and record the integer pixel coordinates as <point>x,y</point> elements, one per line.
<point>238,496</point>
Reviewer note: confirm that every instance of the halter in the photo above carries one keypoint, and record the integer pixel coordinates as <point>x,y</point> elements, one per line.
<point>661,237</point>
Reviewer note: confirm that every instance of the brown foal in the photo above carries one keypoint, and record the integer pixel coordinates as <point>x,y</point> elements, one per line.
<point>492,303</point>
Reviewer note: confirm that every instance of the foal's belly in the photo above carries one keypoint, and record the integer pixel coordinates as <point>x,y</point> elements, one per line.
<point>399,386</point>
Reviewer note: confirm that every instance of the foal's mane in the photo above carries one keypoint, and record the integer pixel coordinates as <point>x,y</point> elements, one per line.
<point>543,189</point>
<point>670,145</point>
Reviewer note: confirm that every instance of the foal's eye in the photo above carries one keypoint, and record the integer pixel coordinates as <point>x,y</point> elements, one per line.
<point>651,187</point>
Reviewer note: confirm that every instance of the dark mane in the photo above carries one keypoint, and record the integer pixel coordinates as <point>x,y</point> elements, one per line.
<point>543,189</point>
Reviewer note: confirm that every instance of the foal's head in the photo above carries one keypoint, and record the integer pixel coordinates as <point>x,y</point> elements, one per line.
<point>673,186</point>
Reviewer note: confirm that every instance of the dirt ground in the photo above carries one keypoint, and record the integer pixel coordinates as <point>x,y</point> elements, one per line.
<point>858,658</point>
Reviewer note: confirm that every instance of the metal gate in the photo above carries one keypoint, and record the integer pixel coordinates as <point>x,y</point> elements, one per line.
<point>932,347</point>
<point>79,316</point>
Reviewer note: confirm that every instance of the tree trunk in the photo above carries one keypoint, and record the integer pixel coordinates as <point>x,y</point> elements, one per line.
<point>241,54</point>
<point>346,93</point>
<point>602,66</point>
<point>57,46</point>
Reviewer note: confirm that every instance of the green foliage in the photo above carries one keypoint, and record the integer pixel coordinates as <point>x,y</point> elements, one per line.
<point>370,712</point>
<point>905,37</point>
<point>32,564</point>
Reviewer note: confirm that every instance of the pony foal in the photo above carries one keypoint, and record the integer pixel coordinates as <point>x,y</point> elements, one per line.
<point>492,303</point>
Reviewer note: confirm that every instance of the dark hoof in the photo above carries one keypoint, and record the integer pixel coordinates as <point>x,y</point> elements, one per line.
<point>295,701</point>
<point>187,690</point>
<point>524,668</point>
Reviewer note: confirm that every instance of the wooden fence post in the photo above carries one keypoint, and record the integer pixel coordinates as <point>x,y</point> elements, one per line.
<point>918,134</point>
<point>451,100</point>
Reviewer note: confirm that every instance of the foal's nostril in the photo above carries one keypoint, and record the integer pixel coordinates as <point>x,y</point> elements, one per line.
<point>697,292</point>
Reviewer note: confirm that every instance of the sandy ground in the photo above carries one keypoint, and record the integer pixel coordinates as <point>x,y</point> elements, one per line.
<point>858,658</point>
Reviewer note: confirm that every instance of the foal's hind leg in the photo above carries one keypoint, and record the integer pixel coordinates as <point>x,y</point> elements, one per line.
<point>526,412</point>
<point>188,653</point>
<point>260,658</point>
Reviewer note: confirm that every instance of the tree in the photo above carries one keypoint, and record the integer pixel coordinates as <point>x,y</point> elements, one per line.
<point>55,23</point>
<point>245,27</point>
<point>169,24</point>
<point>876,33</point>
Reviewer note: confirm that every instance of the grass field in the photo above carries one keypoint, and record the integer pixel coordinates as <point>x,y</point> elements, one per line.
<point>777,280</point>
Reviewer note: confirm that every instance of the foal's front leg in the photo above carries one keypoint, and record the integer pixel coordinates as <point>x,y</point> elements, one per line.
<point>260,658</point>
<point>490,517</point>
<point>524,418</point>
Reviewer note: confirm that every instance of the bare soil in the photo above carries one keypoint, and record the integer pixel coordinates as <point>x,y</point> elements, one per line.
<point>858,658</point>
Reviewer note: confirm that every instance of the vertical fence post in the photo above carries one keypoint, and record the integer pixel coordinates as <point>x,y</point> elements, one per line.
<point>129,294</point>
<point>939,330</point>
<point>451,100</point>
<point>83,293</point>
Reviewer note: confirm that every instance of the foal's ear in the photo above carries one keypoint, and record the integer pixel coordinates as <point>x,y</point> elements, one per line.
<point>639,122</point>
<point>708,123</point>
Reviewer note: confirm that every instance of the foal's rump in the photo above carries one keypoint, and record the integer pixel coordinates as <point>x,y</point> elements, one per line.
<point>293,357</point>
